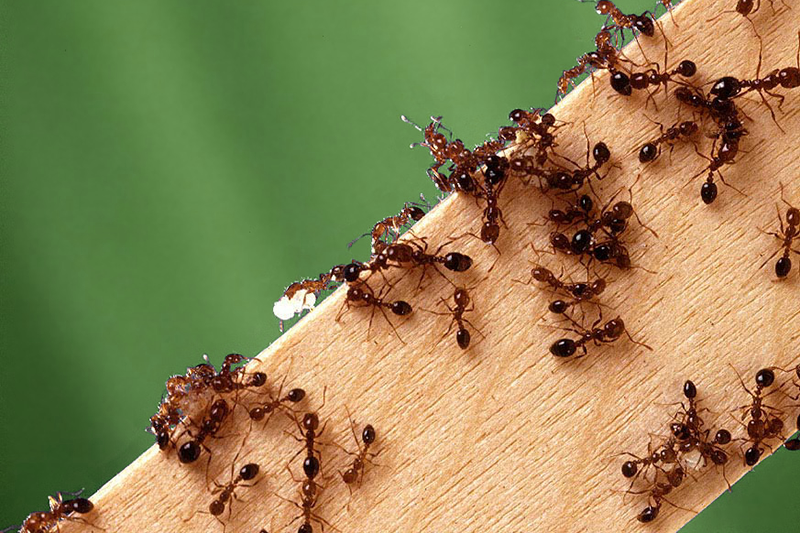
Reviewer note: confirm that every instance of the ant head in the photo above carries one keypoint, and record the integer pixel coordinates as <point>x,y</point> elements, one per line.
<point>216,508</point>
<point>310,422</point>
<point>604,7</point>
<point>614,329</point>
<point>461,297</point>
<point>793,216</point>
<point>490,232</point>
<point>598,286</point>
<point>542,274</point>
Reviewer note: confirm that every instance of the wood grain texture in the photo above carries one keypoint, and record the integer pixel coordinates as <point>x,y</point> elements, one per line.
<point>505,437</point>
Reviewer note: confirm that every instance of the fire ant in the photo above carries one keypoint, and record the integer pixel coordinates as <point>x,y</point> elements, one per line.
<point>355,473</point>
<point>227,492</point>
<point>415,253</point>
<point>309,493</point>
<point>361,295</point>
<point>579,211</point>
<point>643,23</point>
<point>605,56</point>
<point>461,300</point>
<point>494,180</point>
<point>302,295</point>
<point>311,467</point>
<point>60,509</point>
<point>393,224</point>
<point>787,236</point>
<point>651,150</point>
<point>729,87</point>
<point>708,191</point>
<point>190,451</point>
<point>762,424</point>
<point>608,333</point>
<point>652,77</point>
<point>294,396</point>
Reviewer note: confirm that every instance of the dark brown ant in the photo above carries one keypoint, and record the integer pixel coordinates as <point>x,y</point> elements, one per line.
<point>665,453</point>
<point>309,493</point>
<point>762,424</point>
<point>361,295</point>
<point>311,468</point>
<point>579,291</point>
<point>415,252</point>
<point>787,235</point>
<point>644,23</point>
<point>729,87</point>
<point>605,57</point>
<point>494,180</point>
<point>190,451</point>
<point>538,134</point>
<point>60,509</point>
<point>394,224</point>
<point>608,333</point>
<point>579,211</point>
<point>653,78</point>
<point>610,251</point>
<point>651,150</point>
<point>285,308</point>
<point>461,300</point>
<point>227,492</point>
<point>584,289</point>
<point>294,396</point>
<point>355,472</point>
<point>708,190</point>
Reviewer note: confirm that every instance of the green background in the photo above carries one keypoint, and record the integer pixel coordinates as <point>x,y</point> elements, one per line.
<point>169,167</point>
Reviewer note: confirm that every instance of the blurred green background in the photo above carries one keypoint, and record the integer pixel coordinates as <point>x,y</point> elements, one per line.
<point>169,167</point>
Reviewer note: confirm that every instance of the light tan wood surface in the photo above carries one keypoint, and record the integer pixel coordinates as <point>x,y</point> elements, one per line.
<point>504,436</point>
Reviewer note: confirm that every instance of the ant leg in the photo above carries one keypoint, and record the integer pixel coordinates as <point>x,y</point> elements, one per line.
<point>635,341</point>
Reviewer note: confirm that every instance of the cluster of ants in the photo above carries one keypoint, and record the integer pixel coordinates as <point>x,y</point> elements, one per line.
<point>387,253</point>
<point>196,408</point>
<point>200,403</point>
<point>689,447</point>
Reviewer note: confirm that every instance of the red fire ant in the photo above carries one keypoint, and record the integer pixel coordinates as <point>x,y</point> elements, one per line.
<point>60,509</point>
<point>787,235</point>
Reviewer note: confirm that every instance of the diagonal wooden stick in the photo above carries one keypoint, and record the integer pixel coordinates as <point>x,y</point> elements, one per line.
<point>504,436</point>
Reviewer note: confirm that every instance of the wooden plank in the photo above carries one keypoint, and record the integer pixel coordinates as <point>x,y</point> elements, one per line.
<point>504,436</point>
